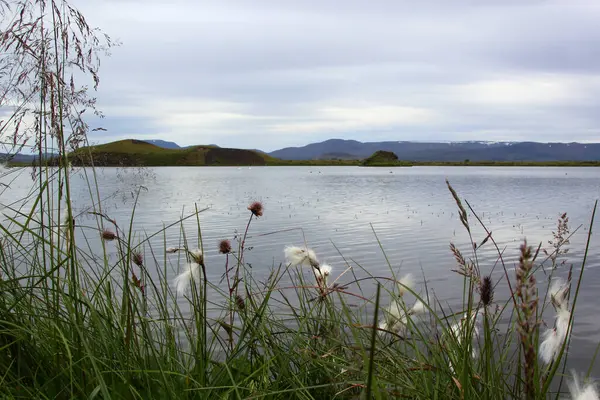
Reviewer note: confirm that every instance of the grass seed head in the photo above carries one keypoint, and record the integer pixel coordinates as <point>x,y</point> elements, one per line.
<point>256,208</point>
<point>108,235</point>
<point>224,246</point>
<point>486,291</point>
<point>137,258</point>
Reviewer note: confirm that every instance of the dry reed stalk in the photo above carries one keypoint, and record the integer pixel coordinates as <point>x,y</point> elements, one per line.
<point>527,297</point>
<point>462,212</point>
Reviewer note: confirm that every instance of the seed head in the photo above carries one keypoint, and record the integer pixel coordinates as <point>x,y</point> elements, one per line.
<point>486,291</point>
<point>239,301</point>
<point>197,256</point>
<point>224,246</point>
<point>256,208</point>
<point>296,256</point>
<point>137,258</point>
<point>108,235</point>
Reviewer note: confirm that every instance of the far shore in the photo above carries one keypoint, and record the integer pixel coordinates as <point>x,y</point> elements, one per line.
<point>358,163</point>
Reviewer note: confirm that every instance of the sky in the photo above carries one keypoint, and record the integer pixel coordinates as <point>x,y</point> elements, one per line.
<point>269,74</point>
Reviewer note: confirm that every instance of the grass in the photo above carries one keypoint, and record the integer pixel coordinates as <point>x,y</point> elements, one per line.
<point>88,308</point>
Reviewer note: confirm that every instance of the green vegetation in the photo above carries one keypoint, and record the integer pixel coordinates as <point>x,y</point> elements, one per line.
<point>139,153</point>
<point>384,159</point>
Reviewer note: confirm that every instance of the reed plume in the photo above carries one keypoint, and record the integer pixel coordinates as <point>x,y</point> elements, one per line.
<point>526,294</point>
<point>554,338</point>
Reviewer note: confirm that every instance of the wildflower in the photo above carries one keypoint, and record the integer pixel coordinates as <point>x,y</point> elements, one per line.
<point>405,284</point>
<point>382,325</point>
<point>225,246</point>
<point>486,291</point>
<point>555,337</point>
<point>458,331</point>
<point>418,308</point>
<point>323,271</point>
<point>256,208</point>
<point>396,316</point>
<point>108,235</point>
<point>171,250</point>
<point>137,258</point>
<point>197,256</point>
<point>458,328</point>
<point>559,291</point>
<point>588,392</point>
<point>296,256</point>
<point>182,281</point>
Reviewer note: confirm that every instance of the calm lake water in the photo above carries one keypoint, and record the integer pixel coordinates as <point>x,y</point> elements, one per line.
<point>342,212</point>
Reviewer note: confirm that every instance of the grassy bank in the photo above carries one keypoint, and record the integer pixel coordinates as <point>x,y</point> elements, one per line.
<point>139,153</point>
<point>90,308</point>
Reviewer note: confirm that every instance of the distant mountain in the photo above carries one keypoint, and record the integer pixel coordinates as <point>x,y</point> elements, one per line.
<point>22,158</point>
<point>449,151</point>
<point>163,143</point>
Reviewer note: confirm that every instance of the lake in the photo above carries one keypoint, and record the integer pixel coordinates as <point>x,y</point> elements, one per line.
<point>346,213</point>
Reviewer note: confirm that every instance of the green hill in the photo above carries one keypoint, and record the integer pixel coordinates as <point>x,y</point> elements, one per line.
<point>133,152</point>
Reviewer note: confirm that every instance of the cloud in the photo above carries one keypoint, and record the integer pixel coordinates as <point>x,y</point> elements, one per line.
<point>269,74</point>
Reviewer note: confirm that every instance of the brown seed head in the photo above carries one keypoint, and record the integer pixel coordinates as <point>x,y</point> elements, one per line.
<point>108,235</point>
<point>486,291</point>
<point>224,246</point>
<point>137,258</point>
<point>239,301</point>
<point>256,208</point>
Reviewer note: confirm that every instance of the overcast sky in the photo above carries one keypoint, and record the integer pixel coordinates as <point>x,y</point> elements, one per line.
<point>274,73</point>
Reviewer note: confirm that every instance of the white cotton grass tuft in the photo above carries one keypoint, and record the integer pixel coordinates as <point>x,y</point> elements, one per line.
<point>405,283</point>
<point>457,330</point>
<point>197,256</point>
<point>587,392</point>
<point>183,281</point>
<point>550,346</point>
<point>323,271</point>
<point>396,316</point>
<point>418,308</point>
<point>559,289</point>
<point>171,250</point>
<point>555,337</point>
<point>296,256</point>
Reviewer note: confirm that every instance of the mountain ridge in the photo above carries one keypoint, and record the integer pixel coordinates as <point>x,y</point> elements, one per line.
<point>448,151</point>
